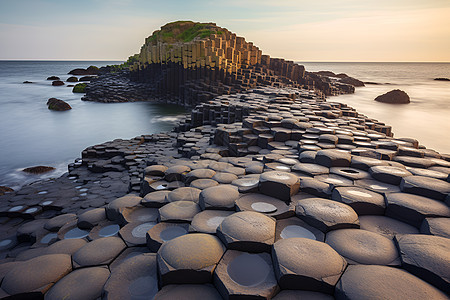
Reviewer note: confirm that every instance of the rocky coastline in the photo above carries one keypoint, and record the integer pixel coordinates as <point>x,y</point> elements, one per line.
<point>264,192</point>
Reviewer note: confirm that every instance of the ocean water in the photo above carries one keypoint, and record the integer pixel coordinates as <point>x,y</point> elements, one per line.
<point>31,134</point>
<point>426,118</point>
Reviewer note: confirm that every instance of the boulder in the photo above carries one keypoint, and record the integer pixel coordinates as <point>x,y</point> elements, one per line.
<point>72,79</point>
<point>352,81</point>
<point>394,97</point>
<point>79,88</point>
<point>92,70</point>
<point>53,78</point>
<point>57,104</point>
<point>38,169</point>
<point>57,83</point>
<point>442,79</point>
<point>5,189</point>
<point>26,81</point>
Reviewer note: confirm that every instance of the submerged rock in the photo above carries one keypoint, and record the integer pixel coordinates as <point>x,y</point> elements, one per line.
<point>38,169</point>
<point>53,78</point>
<point>72,79</point>
<point>57,83</point>
<point>5,189</point>
<point>394,96</point>
<point>57,104</point>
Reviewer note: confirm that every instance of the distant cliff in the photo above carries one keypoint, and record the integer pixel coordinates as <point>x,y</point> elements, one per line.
<point>187,63</point>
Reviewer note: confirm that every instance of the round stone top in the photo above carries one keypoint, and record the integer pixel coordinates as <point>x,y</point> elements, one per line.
<point>310,169</point>
<point>192,251</point>
<point>207,221</point>
<point>155,170</point>
<point>248,269</point>
<point>223,177</point>
<point>179,210</point>
<point>386,226</point>
<point>326,214</point>
<point>222,196</point>
<point>200,173</point>
<point>278,176</point>
<point>177,169</point>
<point>155,199</point>
<point>363,247</point>
<point>98,252</point>
<point>306,257</point>
<point>381,282</point>
<point>310,295</point>
<point>420,204</point>
<point>41,272</point>
<point>248,226</point>
<point>426,186</point>
<point>203,183</point>
<point>184,194</point>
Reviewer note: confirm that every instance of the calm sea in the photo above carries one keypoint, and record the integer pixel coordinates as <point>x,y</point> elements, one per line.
<point>31,135</point>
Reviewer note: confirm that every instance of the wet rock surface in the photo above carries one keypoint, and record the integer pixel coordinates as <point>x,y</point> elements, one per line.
<point>271,177</point>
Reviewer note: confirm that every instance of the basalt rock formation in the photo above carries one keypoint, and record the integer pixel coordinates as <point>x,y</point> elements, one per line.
<point>57,104</point>
<point>189,63</point>
<point>394,97</point>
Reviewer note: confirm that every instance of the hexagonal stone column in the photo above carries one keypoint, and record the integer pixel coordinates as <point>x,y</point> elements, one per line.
<point>245,275</point>
<point>164,232</point>
<point>436,226</point>
<point>113,208</point>
<point>381,282</point>
<point>247,231</point>
<point>333,158</point>
<point>386,226</point>
<point>363,201</point>
<point>179,211</point>
<point>85,283</point>
<point>305,264</point>
<point>359,246</point>
<point>98,252</point>
<point>136,277</point>
<point>207,221</point>
<point>389,174</point>
<point>425,186</point>
<point>267,205</point>
<point>281,185</point>
<point>326,214</point>
<point>427,257</point>
<point>218,197</point>
<point>190,258</point>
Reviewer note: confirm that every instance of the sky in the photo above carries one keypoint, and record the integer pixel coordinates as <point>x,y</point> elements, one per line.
<point>301,30</point>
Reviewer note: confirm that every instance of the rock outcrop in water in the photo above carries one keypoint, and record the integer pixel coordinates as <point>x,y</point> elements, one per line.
<point>57,104</point>
<point>189,63</point>
<point>394,97</point>
<point>92,70</point>
<point>442,79</point>
<point>38,169</point>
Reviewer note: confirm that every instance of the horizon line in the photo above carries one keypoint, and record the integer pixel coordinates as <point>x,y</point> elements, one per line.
<point>297,61</point>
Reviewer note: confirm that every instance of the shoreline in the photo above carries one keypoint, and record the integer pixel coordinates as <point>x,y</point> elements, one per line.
<point>274,153</point>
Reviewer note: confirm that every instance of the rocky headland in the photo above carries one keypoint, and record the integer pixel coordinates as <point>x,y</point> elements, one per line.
<point>268,191</point>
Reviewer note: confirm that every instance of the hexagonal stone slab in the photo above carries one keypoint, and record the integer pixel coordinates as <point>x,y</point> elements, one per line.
<point>350,173</point>
<point>425,186</point>
<point>155,199</point>
<point>155,170</point>
<point>377,186</point>
<point>134,278</point>
<point>389,174</point>
<point>315,187</point>
<point>359,246</point>
<point>184,194</point>
<point>386,226</point>
<point>326,214</point>
<point>190,258</point>
<point>363,201</point>
<point>41,273</point>
<point>412,209</point>
<point>436,226</point>
<point>163,232</point>
<point>427,257</point>
<point>188,291</point>
<point>219,197</point>
<point>138,214</point>
<point>333,158</point>
<point>207,221</point>
<point>310,169</point>
<point>86,283</point>
<point>179,211</point>
<point>98,252</point>
<point>245,275</point>
<point>176,173</point>
<point>91,218</point>
<point>113,208</point>
<point>55,223</point>
<point>280,185</point>
<point>305,264</point>
<point>381,282</point>
<point>247,231</point>
<point>264,204</point>
<point>295,228</point>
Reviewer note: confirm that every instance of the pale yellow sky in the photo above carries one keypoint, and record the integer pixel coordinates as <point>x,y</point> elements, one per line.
<point>326,30</point>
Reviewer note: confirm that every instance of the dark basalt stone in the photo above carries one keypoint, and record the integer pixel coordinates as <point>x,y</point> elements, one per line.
<point>326,214</point>
<point>316,187</point>
<point>113,209</point>
<point>247,231</point>
<point>134,278</point>
<point>264,204</point>
<point>54,224</point>
<point>241,275</point>
<point>425,186</point>
<point>305,264</point>
<point>188,291</point>
<point>163,232</point>
<point>386,226</point>
<point>389,174</point>
<point>201,253</point>
<point>179,211</point>
<point>295,228</point>
<point>91,218</point>
<point>310,169</point>
<point>414,162</point>
<point>86,283</point>
<point>207,221</point>
<point>155,170</point>
<point>363,247</point>
<point>427,257</point>
<point>363,201</point>
<point>382,282</point>
<point>155,199</point>
<point>175,173</point>
<point>412,209</point>
<point>281,185</point>
<point>377,186</point>
<point>138,214</point>
<point>57,83</point>
<point>394,97</point>
<point>134,233</point>
<point>203,183</point>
